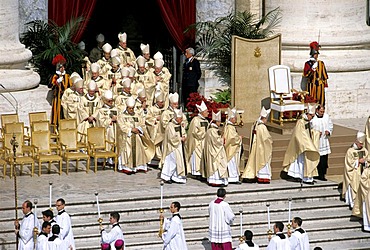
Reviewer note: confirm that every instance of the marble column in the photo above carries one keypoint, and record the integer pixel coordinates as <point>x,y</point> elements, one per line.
<point>14,77</point>
<point>209,10</point>
<point>345,39</point>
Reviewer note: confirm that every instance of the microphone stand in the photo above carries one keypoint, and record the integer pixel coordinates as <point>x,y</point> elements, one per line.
<point>15,100</point>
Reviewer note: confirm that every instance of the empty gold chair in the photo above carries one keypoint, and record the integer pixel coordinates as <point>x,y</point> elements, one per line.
<point>21,158</point>
<point>42,150</point>
<point>67,124</point>
<point>45,126</point>
<point>97,147</point>
<point>42,116</point>
<point>8,118</point>
<point>70,148</point>
<point>37,116</point>
<point>19,128</point>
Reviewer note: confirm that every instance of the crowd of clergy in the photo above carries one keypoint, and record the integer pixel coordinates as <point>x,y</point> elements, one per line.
<point>129,96</point>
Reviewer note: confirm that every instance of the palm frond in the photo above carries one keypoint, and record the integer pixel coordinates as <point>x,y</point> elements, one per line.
<point>214,37</point>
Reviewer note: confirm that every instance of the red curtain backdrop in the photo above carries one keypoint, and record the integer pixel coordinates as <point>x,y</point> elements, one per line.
<point>177,16</point>
<point>61,11</point>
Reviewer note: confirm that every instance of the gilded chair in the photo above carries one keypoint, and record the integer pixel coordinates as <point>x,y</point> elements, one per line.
<point>70,149</point>
<point>42,116</point>
<point>37,116</point>
<point>8,118</point>
<point>97,146</point>
<point>21,158</point>
<point>281,94</point>
<point>45,126</point>
<point>42,150</point>
<point>19,128</point>
<point>67,124</point>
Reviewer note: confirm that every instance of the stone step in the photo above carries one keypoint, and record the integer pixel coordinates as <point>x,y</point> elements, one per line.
<point>325,191</point>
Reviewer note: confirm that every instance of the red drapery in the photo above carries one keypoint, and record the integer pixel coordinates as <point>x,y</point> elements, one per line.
<point>177,16</point>
<point>61,11</point>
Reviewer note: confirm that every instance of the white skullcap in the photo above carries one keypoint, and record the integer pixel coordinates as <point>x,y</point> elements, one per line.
<point>130,102</point>
<point>116,61</point>
<point>125,72</point>
<point>132,71</point>
<point>311,109</point>
<point>122,37</point>
<point>231,113</point>
<point>114,53</point>
<point>141,92</point>
<point>126,83</point>
<point>100,38</point>
<point>144,48</point>
<point>265,113</point>
<point>108,95</point>
<point>173,97</point>
<point>158,55</point>
<point>158,63</point>
<point>94,67</point>
<point>92,85</point>
<point>81,45</point>
<point>107,48</point>
<point>159,97</point>
<point>361,136</point>
<point>178,113</point>
<point>79,83</point>
<point>140,61</point>
<point>216,116</point>
<point>202,107</point>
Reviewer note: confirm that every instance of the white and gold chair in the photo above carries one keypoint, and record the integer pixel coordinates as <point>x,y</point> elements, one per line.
<point>281,94</point>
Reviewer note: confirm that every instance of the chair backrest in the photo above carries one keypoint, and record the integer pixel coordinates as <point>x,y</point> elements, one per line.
<point>8,118</point>
<point>68,137</point>
<point>8,137</point>
<point>40,126</point>
<point>37,116</point>
<point>96,135</point>
<point>280,81</point>
<point>67,124</point>
<point>41,139</point>
<point>14,127</point>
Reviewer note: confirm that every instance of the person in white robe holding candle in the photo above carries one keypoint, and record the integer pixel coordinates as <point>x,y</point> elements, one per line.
<point>24,228</point>
<point>173,232</point>
<point>115,233</point>
<point>64,221</point>
<point>279,241</point>
<point>299,238</point>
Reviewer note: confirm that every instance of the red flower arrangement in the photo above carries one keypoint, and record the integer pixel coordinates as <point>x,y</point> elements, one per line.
<point>196,98</point>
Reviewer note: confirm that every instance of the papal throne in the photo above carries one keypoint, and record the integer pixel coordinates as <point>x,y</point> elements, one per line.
<point>281,94</point>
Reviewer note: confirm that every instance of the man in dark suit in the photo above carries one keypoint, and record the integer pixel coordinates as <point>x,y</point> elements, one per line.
<point>191,74</point>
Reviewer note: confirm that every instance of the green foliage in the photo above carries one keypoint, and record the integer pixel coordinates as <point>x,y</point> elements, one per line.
<point>46,40</point>
<point>214,37</point>
<point>222,96</point>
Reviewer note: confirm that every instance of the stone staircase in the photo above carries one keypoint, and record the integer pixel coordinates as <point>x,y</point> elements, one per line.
<point>340,141</point>
<point>136,198</point>
<point>326,219</point>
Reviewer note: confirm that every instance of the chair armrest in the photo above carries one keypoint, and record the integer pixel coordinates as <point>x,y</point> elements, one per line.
<point>91,147</point>
<point>113,144</point>
<point>35,150</point>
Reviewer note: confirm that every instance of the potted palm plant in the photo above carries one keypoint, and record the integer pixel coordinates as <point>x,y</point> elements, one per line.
<point>46,40</point>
